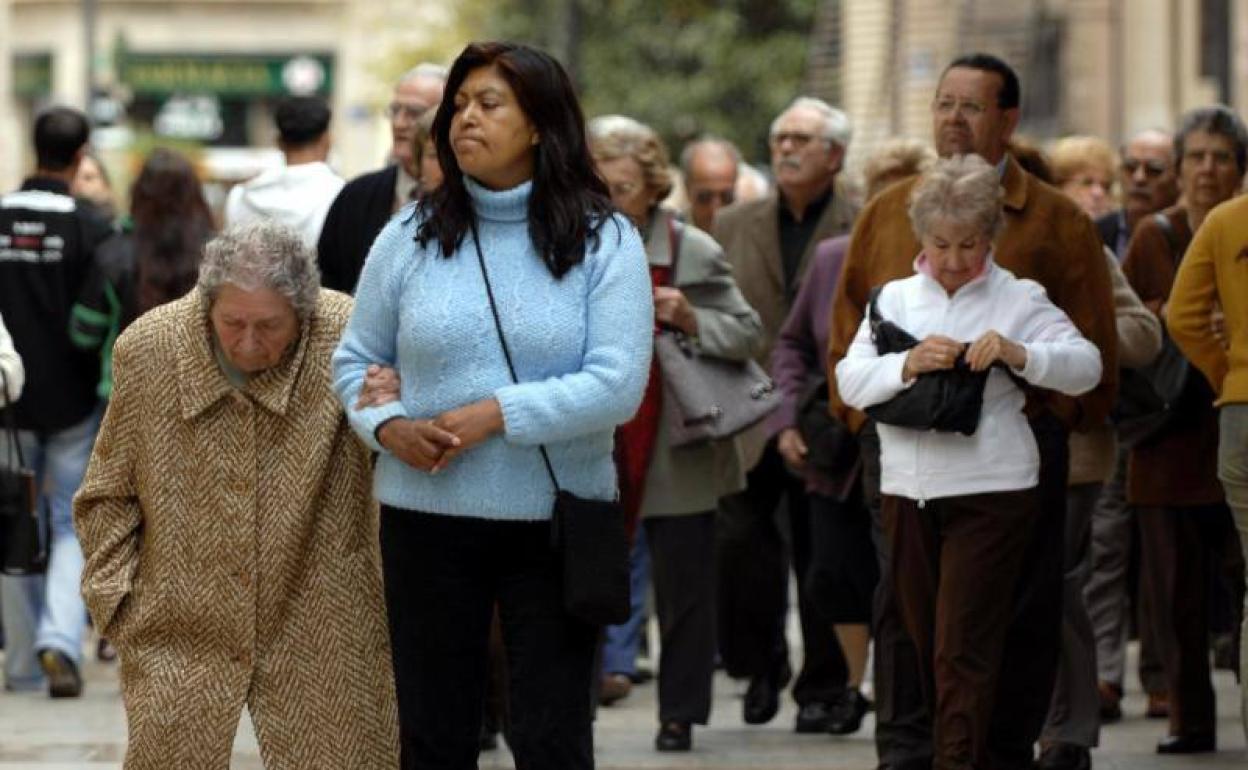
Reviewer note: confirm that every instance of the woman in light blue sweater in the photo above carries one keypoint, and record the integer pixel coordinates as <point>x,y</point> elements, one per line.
<point>465,498</point>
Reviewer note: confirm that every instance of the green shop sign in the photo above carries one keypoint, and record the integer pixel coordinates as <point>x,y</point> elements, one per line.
<point>32,75</point>
<point>227,74</point>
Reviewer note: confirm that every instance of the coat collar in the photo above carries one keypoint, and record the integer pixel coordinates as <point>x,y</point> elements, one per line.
<point>201,383</point>
<point>837,217</point>
<point>1016,182</point>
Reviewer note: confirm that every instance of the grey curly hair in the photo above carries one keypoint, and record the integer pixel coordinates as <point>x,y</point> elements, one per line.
<point>262,255</point>
<point>964,189</point>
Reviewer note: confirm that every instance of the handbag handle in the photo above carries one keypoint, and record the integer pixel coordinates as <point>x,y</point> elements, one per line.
<point>10,423</point>
<point>502,338</point>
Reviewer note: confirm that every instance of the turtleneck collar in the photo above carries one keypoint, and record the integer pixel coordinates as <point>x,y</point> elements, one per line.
<point>500,205</point>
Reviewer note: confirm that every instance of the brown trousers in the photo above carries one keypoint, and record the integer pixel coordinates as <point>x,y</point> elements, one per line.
<point>1179,552</point>
<point>955,565</point>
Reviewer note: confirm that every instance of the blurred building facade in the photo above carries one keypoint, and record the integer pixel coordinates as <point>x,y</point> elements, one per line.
<point>207,73</point>
<point>1104,67</point>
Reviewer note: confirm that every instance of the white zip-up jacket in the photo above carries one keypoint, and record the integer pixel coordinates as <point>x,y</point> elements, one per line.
<point>298,196</point>
<point>1002,455</point>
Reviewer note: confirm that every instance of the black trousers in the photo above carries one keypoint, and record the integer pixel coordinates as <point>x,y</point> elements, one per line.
<point>843,567</point>
<point>1024,688</point>
<point>443,576</point>
<point>681,551</point>
<point>752,559</point>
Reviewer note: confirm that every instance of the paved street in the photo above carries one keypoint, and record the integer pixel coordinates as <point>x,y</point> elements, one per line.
<point>36,732</point>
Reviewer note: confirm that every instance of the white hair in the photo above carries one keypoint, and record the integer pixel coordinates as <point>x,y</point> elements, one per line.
<point>837,127</point>
<point>426,70</point>
<point>262,255</point>
<point>964,189</point>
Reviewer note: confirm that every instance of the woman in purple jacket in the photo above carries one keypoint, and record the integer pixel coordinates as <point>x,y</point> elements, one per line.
<point>843,570</point>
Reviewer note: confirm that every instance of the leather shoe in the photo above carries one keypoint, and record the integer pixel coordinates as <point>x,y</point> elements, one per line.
<point>1158,706</point>
<point>614,687</point>
<point>762,698</point>
<point>674,736</point>
<point>847,712</point>
<point>1192,743</point>
<point>1065,756</point>
<point>1111,701</point>
<point>813,718</point>
<point>64,681</point>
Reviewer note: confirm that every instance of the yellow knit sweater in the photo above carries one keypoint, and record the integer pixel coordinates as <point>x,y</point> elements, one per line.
<point>1215,268</point>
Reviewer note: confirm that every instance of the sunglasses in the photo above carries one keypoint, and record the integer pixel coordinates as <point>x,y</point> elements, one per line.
<point>1152,168</point>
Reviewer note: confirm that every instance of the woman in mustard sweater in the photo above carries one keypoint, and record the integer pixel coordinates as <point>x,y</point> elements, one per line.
<point>1215,271</point>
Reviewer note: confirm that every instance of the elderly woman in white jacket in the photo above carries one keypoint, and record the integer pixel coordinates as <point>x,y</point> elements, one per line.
<point>959,510</point>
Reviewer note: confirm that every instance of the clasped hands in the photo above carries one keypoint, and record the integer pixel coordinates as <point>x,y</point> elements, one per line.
<point>428,445</point>
<point>937,352</point>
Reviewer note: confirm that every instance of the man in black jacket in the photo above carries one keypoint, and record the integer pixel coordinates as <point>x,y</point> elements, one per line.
<point>367,202</point>
<point>47,244</point>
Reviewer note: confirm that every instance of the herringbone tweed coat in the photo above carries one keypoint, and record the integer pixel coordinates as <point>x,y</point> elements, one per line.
<point>231,550</point>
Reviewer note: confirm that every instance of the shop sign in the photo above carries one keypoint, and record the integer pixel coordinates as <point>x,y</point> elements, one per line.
<point>227,74</point>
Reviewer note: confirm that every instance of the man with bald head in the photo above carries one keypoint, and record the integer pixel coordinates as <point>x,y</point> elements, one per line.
<point>709,166</point>
<point>367,202</point>
<point>1149,183</point>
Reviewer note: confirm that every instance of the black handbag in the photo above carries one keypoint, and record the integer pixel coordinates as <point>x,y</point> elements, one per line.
<point>831,448</point>
<point>25,526</point>
<point>589,534</point>
<point>1149,397</point>
<point>711,398</point>
<point>949,400</point>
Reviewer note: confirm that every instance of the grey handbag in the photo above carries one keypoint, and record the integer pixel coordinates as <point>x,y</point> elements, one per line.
<point>710,398</point>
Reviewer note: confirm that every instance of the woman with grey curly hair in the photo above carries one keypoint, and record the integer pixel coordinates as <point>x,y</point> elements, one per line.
<point>229,527</point>
<point>959,510</point>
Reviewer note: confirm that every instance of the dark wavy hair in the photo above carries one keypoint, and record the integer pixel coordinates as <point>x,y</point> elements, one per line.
<point>172,222</point>
<point>569,203</point>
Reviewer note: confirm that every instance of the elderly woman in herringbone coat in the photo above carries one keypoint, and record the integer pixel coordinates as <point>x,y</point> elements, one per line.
<point>229,527</point>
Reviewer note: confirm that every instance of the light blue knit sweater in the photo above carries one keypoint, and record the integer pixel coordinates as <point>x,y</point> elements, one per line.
<point>581,347</point>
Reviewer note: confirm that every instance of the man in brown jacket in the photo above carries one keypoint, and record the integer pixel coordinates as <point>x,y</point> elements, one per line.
<point>1049,240</point>
<point>769,243</point>
<point>229,526</point>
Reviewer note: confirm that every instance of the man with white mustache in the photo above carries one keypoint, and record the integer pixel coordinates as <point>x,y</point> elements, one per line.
<point>769,242</point>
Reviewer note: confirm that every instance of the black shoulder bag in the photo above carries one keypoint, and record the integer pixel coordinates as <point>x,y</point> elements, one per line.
<point>1149,397</point>
<point>949,400</point>
<point>589,534</point>
<point>25,530</point>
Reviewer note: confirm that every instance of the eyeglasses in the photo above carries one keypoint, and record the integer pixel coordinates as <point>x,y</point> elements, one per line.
<point>944,106</point>
<point>798,139</point>
<point>1152,168</point>
<point>409,111</point>
<point>707,197</point>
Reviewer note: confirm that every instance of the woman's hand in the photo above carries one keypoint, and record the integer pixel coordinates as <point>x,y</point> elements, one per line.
<point>931,355</point>
<point>419,443</point>
<point>672,307</point>
<point>471,425</point>
<point>381,386</point>
<point>992,347</point>
<point>792,448</point>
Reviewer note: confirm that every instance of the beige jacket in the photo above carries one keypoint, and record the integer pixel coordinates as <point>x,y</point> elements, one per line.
<point>231,544</point>
<point>1139,341</point>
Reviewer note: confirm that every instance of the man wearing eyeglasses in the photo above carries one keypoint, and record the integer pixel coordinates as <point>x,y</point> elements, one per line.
<point>1149,184</point>
<point>367,202</point>
<point>769,242</point>
<point>709,166</point>
<point>1048,239</point>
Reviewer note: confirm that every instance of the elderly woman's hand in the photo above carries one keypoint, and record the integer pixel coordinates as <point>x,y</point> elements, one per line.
<point>419,443</point>
<point>931,355</point>
<point>992,347</point>
<point>381,386</point>
<point>672,307</point>
<point>792,448</point>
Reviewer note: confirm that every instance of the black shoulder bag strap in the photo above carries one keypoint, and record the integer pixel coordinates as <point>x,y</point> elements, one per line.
<point>10,423</point>
<point>502,338</point>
